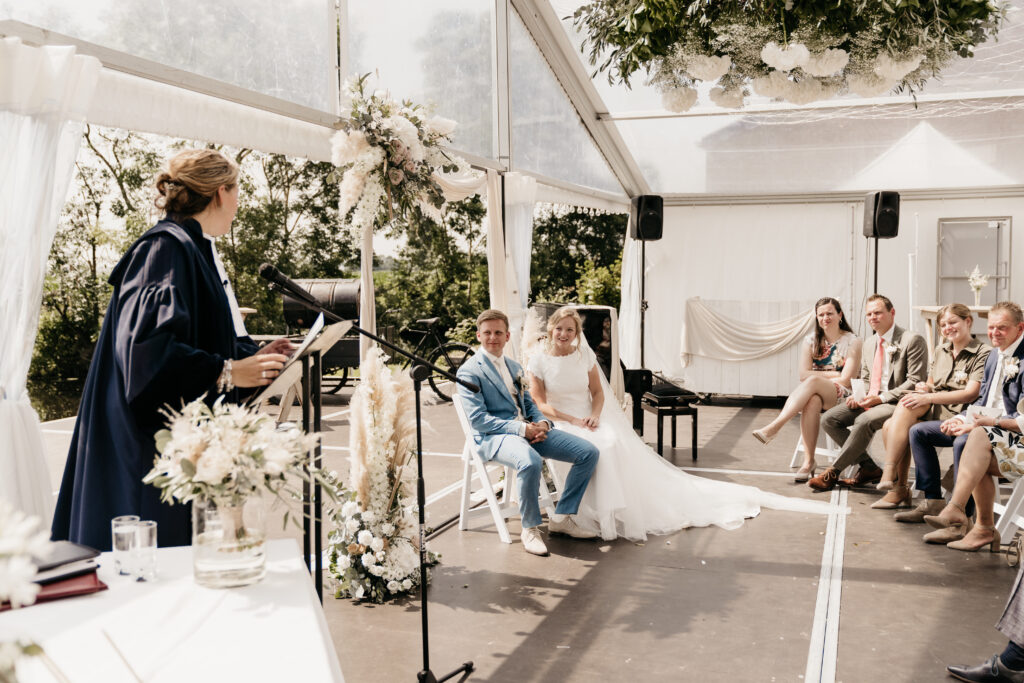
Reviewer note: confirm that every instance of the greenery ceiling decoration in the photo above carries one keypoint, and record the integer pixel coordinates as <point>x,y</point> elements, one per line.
<point>798,51</point>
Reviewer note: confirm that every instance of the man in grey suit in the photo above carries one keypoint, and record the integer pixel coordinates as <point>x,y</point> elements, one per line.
<point>1007,667</point>
<point>893,361</point>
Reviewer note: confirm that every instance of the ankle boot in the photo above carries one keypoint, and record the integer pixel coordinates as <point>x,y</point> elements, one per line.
<point>928,506</point>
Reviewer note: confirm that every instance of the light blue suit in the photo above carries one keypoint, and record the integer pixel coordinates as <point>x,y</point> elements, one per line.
<point>492,414</point>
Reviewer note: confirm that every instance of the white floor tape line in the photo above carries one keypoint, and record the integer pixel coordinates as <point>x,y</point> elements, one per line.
<point>823,650</point>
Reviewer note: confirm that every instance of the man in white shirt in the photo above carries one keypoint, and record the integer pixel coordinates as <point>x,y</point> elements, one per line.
<point>510,429</point>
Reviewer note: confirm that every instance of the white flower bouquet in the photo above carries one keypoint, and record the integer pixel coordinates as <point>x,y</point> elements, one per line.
<point>977,282</point>
<point>374,554</point>
<point>228,452</point>
<point>387,157</point>
<point>21,539</point>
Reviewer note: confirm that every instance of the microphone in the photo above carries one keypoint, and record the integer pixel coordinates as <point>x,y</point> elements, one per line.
<point>272,274</point>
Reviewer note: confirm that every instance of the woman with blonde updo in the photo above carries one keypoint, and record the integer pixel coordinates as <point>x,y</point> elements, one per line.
<point>171,334</point>
<point>633,491</point>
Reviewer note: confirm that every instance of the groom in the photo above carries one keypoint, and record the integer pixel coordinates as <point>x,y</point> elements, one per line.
<point>509,428</point>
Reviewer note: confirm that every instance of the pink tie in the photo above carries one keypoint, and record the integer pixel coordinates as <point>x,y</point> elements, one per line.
<point>876,369</point>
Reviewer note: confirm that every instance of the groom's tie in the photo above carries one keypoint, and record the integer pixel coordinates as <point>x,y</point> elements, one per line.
<point>876,369</point>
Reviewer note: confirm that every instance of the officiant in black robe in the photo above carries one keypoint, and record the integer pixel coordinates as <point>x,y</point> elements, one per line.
<point>167,337</point>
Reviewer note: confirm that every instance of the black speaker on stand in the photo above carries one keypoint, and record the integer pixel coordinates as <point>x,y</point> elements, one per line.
<point>881,219</point>
<point>645,224</point>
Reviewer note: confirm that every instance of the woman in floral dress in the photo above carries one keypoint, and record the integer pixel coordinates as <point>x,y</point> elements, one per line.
<point>829,360</point>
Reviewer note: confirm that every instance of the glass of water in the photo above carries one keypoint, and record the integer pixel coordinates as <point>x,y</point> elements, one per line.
<point>144,552</point>
<point>122,531</point>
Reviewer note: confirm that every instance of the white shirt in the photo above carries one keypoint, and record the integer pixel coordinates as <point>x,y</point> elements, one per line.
<point>506,378</point>
<point>236,315</point>
<point>995,389</point>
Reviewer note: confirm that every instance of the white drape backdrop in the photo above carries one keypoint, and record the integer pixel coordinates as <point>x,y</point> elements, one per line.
<point>713,335</point>
<point>629,307</point>
<point>44,95</point>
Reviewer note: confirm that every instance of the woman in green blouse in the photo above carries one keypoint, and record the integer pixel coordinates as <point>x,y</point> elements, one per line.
<point>954,381</point>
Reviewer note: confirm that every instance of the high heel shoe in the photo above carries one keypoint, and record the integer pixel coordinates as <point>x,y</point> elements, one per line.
<point>898,497</point>
<point>967,545</point>
<point>805,473</point>
<point>937,522</point>
<point>763,436</point>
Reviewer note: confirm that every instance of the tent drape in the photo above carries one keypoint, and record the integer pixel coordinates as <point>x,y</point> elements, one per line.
<point>629,308</point>
<point>710,334</point>
<point>44,95</point>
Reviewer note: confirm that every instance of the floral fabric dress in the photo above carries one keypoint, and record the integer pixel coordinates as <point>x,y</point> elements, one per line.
<point>1008,447</point>
<point>634,491</point>
<point>832,357</point>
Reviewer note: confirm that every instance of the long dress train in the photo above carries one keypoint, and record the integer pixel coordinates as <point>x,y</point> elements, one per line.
<point>634,492</point>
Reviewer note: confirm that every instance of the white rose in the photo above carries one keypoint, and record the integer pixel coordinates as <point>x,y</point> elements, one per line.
<point>364,537</point>
<point>439,125</point>
<point>348,509</point>
<point>214,465</point>
<point>369,559</point>
<point>387,528</point>
<point>344,562</point>
<point>377,544</point>
<point>277,460</point>
<point>407,584</point>
<point>352,525</point>
<point>394,586</point>
<point>376,569</point>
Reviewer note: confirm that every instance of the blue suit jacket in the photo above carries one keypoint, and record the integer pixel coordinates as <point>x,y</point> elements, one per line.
<point>1012,389</point>
<point>492,412</point>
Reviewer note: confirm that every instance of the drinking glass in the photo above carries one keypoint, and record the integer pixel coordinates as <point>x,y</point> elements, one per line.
<point>122,531</point>
<point>144,552</point>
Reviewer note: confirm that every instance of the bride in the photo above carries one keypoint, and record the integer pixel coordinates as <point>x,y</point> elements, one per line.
<point>633,491</point>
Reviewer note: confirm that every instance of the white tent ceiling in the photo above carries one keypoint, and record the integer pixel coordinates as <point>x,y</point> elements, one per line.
<point>511,72</point>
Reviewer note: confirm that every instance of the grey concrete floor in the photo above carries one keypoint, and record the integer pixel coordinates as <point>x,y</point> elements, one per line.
<point>698,605</point>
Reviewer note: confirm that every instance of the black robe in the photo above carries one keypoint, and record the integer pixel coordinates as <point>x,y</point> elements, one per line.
<point>165,336</point>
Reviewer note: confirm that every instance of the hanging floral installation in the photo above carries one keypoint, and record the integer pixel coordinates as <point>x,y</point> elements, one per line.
<point>374,553</point>
<point>790,50</point>
<point>387,157</point>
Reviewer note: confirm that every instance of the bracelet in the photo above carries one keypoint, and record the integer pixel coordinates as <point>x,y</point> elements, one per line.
<point>224,383</point>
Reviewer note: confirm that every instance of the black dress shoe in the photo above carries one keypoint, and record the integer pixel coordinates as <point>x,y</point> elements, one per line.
<point>992,671</point>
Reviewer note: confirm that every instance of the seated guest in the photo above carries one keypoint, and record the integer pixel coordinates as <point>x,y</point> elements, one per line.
<point>893,362</point>
<point>829,359</point>
<point>953,382</point>
<point>1008,666</point>
<point>983,446</point>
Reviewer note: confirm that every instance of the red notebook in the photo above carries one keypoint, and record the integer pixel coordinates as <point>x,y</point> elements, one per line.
<point>77,585</point>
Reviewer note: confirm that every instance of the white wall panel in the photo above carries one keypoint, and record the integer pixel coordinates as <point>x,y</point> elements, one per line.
<point>763,262</point>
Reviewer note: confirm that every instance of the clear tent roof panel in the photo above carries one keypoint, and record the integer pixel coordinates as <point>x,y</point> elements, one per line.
<point>282,48</point>
<point>438,53</point>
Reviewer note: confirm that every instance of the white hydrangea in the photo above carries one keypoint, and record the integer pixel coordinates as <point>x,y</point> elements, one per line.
<point>827,63</point>
<point>785,58</point>
<point>377,545</point>
<point>705,68</point>
<point>369,559</point>
<point>805,91</point>
<point>679,100</point>
<point>775,85</point>
<point>365,537</point>
<point>369,516</point>
<point>892,70</point>
<point>868,86</point>
<point>387,528</point>
<point>727,99</point>
<point>350,508</point>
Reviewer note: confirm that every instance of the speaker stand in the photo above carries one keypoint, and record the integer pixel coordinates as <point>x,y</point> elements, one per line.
<point>643,297</point>
<point>875,291</point>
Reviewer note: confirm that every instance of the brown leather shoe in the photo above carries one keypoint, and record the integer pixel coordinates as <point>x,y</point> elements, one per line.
<point>826,481</point>
<point>867,474</point>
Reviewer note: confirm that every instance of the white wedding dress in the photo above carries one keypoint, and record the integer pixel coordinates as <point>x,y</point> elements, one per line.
<point>633,491</point>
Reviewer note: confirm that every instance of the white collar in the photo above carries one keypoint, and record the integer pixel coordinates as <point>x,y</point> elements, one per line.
<point>888,335</point>
<point>496,360</point>
<point>1012,348</point>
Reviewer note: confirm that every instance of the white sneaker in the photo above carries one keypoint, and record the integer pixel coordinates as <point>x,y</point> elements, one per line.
<point>568,526</point>
<point>533,543</point>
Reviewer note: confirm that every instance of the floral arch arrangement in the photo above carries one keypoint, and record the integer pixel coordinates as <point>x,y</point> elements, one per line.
<point>798,51</point>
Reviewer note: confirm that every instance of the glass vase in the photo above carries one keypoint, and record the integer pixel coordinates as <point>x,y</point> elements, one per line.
<point>228,539</point>
<point>977,297</point>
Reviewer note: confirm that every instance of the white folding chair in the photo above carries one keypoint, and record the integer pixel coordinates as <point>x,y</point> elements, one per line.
<point>1009,515</point>
<point>828,453</point>
<point>473,462</point>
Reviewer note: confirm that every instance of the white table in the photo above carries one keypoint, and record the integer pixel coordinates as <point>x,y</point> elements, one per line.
<point>172,629</point>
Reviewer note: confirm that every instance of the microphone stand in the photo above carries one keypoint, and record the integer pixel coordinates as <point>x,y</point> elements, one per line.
<point>421,369</point>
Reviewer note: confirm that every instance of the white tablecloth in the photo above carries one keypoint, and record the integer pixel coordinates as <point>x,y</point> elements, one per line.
<point>174,630</point>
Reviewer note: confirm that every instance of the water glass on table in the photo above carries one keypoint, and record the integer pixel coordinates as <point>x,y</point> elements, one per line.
<point>144,552</point>
<point>123,539</point>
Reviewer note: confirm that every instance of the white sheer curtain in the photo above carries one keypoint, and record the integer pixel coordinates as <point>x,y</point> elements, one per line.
<point>520,197</point>
<point>44,94</point>
<point>629,308</point>
<point>707,333</point>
